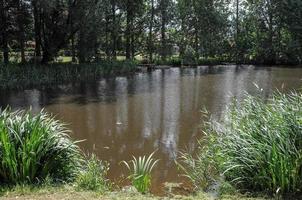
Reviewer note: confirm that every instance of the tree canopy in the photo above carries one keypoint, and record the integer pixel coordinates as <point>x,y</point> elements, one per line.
<point>243,31</point>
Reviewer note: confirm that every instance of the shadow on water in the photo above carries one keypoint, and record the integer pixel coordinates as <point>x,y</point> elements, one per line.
<point>160,110</point>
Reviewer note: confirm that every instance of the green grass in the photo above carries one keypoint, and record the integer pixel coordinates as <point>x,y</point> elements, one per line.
<point>68,192</point>
<point>64,59</point>
<point>257,147</point>
<point>140,171</point>
<point>93,175</point>
<point>34,148</point>
<point>29,75</point>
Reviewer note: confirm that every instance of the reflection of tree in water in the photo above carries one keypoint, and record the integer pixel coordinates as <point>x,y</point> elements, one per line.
<point>171,114</point>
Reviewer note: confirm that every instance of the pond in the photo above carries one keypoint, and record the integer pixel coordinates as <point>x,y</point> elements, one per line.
<point>123,116</point>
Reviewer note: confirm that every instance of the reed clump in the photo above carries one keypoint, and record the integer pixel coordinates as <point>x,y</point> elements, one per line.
<point>256,147</point>
<point>34,148</point>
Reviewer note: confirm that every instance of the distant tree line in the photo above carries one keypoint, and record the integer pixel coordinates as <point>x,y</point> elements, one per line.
<point>243,31</point>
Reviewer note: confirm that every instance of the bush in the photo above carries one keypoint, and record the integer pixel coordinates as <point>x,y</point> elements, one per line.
<point>34,148</point>
<point>93,175</point>
<point>257,147</point>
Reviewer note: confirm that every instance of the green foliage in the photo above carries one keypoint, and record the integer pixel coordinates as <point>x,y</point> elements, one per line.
<point>140,171</point>
<point>211,61</point>
<point>258,146</point>
<point>172,61</point>
<point>93,175</point>
<point>34,148</point>
<point>189,57</point>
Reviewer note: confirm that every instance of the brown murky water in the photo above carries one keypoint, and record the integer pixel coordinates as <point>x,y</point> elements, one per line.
<point>136,115</point>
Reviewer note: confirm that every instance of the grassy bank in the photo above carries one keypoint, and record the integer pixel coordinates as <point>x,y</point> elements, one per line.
<point>68,192</point>
<point>29,75</point>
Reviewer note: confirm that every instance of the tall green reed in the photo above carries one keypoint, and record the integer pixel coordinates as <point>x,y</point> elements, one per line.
<point>257,146</point>
<point>34,148</point>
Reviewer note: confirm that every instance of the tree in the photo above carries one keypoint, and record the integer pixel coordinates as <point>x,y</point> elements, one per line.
<point>133,10</point>
<point>22,24</point>
<point>259,31</point>
<point>151,24</point>
<point>203,26</point>
<point>5,6</point>
<point>60,20</point>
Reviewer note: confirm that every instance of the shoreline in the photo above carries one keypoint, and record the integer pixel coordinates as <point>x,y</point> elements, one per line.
<point>19,77</point>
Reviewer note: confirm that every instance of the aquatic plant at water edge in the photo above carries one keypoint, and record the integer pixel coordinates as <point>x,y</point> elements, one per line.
<point>34,148</point>
<point>93,175</point>
<point>257,146</point>
<point>140,171</point>
<point>200,168</point>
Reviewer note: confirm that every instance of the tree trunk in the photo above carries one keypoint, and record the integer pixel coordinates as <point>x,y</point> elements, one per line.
<point>237,32</point>
<point>22,48</point>
<point>5,49</point>
<point>21,30</point>
<point>73,53</point>
<point>3,30</point>
<point>47,56</point>
<point>114,29</point>
<point>271,56</point>
<point>128,32</point>
<point>107,48</point>
<point>132,46</point>
<point>182,45</point>
<point>196,45</point>
<point>81,47</point>
<point>150,46</point>
<point>37,30</point>
<point>163,30</point>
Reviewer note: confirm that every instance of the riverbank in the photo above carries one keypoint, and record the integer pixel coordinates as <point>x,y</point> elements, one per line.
<point>17,76</point>
<point>67,192</point>
<point>24,76</point>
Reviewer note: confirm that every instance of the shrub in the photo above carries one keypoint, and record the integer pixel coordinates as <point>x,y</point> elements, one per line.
<point>35,147</point>
<point>140,172</point>
<point>258,146</point>
<point>93,175</point>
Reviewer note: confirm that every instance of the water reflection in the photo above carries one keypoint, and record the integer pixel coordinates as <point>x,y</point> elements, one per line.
<point>135,115</point>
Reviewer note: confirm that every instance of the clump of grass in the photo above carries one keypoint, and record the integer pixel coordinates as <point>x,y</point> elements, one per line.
<point>93,175</point>
<point>34,148</point>
<point>257,147</point>
<point>140,171</point>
